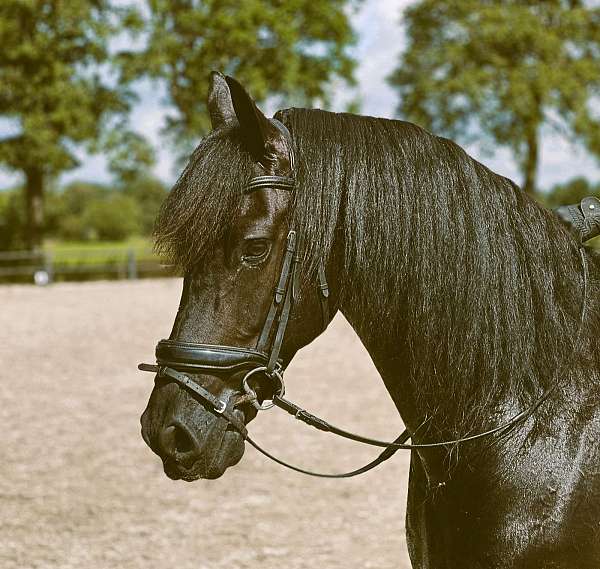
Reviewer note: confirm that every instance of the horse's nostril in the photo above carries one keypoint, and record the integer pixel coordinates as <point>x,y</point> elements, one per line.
<point>177,440</point>
<point>183,442</point>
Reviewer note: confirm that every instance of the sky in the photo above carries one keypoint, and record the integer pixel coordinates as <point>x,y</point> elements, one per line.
<point>380,41</point>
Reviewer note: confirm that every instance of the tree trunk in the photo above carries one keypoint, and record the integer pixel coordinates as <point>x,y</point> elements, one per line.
<point>531,161</point>
<point>34,205</point>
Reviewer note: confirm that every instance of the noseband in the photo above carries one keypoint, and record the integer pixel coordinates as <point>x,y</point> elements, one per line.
<point>179,361</point>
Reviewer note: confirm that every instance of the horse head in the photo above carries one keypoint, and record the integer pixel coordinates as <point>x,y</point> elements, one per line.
<point>230,341</point>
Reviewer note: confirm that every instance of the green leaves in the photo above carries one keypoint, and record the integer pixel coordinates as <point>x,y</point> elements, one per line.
<point>282,49</point>
<point>59,81</point>
<point>83,211</point>
<point>66,68</point>
<point>127,151</point>
<point>112,219</point>
<point>56,79</point>
<point>499,71</point>
<point>571,192</point>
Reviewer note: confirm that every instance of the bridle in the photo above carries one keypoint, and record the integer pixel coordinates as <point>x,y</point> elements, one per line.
<point>181,361</point>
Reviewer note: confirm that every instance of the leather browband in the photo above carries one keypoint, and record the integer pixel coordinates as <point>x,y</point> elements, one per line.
<point>286,183</point>
<point>270,182</point>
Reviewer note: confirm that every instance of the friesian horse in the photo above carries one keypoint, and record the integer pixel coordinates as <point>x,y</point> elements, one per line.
<point>474,302</point>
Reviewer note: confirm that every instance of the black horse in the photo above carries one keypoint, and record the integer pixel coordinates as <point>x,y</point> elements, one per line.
<point>474,302</point>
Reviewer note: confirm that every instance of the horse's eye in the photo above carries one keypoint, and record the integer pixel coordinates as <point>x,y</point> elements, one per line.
<point>255,249</point>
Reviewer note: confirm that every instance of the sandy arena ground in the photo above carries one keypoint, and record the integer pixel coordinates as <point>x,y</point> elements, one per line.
<point>79,488</point>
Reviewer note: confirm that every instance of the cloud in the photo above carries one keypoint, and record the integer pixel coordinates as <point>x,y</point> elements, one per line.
<point>382,40</point>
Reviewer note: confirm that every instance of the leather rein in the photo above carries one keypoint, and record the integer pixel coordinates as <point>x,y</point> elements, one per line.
<point>181,361</point>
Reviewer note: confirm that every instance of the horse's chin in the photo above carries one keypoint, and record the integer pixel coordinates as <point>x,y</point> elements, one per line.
<point>208,468</point>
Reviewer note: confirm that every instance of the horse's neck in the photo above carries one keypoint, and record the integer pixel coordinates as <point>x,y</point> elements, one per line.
<point>388,346</point>
<point>391,365</point>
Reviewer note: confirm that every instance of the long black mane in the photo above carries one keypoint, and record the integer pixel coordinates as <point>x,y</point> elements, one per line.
<point>480,284</point>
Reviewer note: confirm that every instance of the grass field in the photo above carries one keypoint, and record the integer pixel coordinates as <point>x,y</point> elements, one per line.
<point>99,252</point>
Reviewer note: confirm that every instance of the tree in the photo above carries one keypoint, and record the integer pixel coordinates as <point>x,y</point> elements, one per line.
<point>499,71</point>
<point>59,83</point>
<point>149,193</point>
<point>571,192</point>
<point>66,210</point>
<point>292,49</point>
<point>112,219</point>
<point>11,218</point>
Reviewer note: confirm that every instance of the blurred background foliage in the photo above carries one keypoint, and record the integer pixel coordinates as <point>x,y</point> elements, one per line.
<point>289,50</point>
<point>67,75</point>
<point>85,212</point>
<point>498,73</point>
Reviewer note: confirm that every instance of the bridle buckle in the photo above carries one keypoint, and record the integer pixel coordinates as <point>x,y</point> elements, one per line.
<point>221,408</point>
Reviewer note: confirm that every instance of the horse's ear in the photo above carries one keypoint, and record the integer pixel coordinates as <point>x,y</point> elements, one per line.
<point>256,128</point>
<point>220,106</point>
